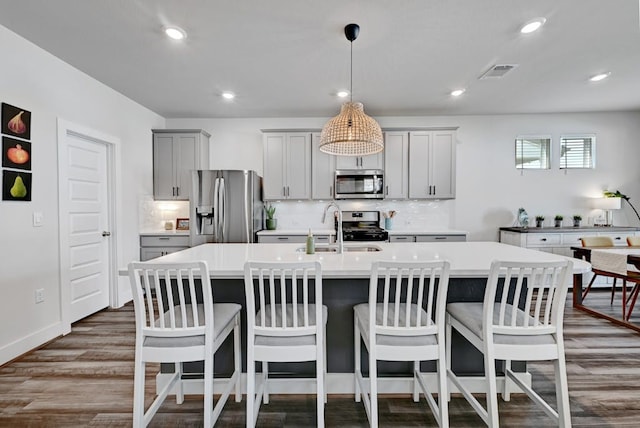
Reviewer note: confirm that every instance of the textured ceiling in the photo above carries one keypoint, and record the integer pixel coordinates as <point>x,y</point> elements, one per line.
<point>288,58</point>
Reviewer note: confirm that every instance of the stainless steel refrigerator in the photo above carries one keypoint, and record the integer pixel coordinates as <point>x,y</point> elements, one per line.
<point>225,206</point>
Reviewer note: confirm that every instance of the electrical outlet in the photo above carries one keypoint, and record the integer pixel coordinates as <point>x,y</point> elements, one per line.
<point>40,295</point>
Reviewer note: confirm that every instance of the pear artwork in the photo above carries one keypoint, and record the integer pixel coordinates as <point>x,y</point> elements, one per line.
<point>18,190</point>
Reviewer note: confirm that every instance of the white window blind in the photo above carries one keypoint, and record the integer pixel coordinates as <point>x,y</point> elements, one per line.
<point>533,152</point>
<point>577,151</point>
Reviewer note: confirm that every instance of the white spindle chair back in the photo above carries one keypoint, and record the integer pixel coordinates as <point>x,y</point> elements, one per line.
<point>531,298</point>
<point>175,287</point>
<point>408,289</point>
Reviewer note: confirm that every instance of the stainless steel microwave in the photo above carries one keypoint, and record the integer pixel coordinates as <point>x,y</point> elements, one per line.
<point>359,184</point>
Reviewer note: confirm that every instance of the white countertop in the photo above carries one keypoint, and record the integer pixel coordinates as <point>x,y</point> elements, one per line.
<point>468,259</point>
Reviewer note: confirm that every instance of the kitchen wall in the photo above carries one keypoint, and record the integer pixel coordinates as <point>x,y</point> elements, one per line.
<point>489,187</point>
<point>29,256</point>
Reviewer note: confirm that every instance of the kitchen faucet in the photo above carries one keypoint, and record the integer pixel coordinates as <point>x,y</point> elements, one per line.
<point>339,231</point>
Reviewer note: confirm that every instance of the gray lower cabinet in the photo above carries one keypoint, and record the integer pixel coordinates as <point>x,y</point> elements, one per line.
<point>300,239</point>
<point>152,246</point>
<point>429,238</point>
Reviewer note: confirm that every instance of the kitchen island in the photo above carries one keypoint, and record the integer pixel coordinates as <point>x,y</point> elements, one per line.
<point>346,283</point>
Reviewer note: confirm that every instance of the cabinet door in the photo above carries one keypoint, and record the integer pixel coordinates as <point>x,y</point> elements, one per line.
<point>298,166</point>
<point>273,169</point>
<point>443,165</point>
<point>184,154</point>
<point>323,170</point>
<point>372,161</point>
<point>163,171</point>
<point>396,165</point>
<point>432,164</point>
<point>360,162</point>
<point>419,169</point>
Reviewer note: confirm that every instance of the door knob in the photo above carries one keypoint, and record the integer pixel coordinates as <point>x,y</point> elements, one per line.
<point>105,233</point>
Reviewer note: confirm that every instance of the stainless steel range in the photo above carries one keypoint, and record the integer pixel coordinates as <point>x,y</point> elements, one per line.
<point>362,226</point>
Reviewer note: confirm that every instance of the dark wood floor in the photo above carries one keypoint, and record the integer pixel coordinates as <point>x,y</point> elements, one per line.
<point>85,379</point>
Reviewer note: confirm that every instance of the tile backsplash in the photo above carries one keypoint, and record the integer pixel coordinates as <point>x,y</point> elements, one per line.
<point>410,215</point>
<point>154,214</point>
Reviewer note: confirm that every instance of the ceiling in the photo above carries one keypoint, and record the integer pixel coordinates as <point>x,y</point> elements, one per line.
<point>288,58</point>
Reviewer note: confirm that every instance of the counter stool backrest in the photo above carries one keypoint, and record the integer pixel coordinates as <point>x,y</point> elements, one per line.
<point>274,289</point>
<point>531,301</point>
<point>411,305</point>
<point>154,317</point>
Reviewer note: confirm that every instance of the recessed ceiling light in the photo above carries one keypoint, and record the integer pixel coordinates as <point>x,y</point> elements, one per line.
<point>599,77</point>
<point>343,94</point>
<point>533,25</point>
<point>228,95</point>
<point>457,92</point>
<point>175,33</point>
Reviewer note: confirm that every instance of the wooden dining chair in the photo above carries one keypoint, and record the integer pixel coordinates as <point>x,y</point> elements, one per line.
<point>403,321</point>
<point>633,241</point>
<point>600,242</point>
<point>520,319</point>
<point>172,326</point>
<point>286,322</point>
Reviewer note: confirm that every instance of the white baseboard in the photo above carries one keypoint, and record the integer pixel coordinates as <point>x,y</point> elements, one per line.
<point>30,342</point>
<point>343,383</point>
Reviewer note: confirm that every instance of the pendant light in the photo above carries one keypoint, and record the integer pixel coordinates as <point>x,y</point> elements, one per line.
<point>352,132</point>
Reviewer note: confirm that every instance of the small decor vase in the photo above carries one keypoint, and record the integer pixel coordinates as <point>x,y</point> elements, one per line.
<point>272,223</point>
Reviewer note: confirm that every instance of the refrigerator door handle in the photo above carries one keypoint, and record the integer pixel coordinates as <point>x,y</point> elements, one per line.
<point>222,196</point>
<point>216,210</point>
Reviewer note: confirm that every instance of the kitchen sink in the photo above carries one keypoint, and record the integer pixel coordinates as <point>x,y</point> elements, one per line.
<point>347,248</point>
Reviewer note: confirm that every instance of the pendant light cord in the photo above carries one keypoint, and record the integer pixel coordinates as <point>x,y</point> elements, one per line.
<point>351,75</point>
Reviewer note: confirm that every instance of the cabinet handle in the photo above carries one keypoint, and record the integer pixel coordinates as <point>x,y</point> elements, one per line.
<point>618,238</point>
<point>401,238</point>
<point>164,238</point>
<point>283,238</point>
<point>386,190</point>
<point>177,191</point>
<point>330,190</point>
<point>434,189</point>
<point>440,237</point>
<point>284,190</point>
<point>543,239</point>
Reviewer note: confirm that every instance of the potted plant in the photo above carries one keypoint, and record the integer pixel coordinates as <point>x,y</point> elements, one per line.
<point>558,220</point>
<point>539,220</point>
<point>576,220</point>
<point>271,222</point>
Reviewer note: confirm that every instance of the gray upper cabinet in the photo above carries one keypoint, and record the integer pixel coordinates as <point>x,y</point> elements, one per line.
<point>287,165</point>
<point>396,165</point>
<point>360,162</point>
<point>175,154</point>
<point>432,164</point>
<point>323,169</point>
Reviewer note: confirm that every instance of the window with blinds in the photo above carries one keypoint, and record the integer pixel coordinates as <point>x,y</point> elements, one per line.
<point>533,152</point>
<point>577,151</point>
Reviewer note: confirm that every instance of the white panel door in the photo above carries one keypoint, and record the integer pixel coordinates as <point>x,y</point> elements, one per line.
<point>88,226</point>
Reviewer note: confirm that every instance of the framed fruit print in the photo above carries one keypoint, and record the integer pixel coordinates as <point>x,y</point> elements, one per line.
<point>16,185</point>
<point>16,121</point>
<point>16,154</point>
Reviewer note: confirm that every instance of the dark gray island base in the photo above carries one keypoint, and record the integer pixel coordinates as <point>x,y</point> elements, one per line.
<point>340,296</point>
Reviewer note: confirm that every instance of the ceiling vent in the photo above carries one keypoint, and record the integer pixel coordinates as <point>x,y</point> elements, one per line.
<point>497,71</point>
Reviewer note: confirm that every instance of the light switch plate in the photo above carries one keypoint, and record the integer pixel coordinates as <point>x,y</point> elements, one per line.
<point>37,218</point>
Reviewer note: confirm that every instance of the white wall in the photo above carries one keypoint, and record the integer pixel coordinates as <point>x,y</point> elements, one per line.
<point>36,81</point>
<point>489,188</point>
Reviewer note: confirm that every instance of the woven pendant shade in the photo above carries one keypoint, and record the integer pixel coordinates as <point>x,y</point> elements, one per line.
<point>351,133</point>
